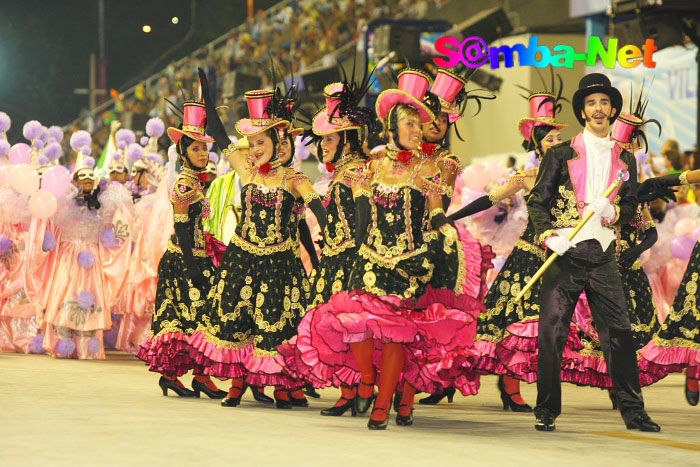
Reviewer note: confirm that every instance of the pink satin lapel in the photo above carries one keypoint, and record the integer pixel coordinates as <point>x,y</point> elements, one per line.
<point>577,171</point>
<point>616,165</point>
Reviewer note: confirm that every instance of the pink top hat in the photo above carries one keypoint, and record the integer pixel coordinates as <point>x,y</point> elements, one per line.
<point>541,113</point>
<point>447,86</point>
<point>624,127</point>
<point>327,120</point>
<point>413,86</point>
<point>194,123</point>
<point>260,120</point>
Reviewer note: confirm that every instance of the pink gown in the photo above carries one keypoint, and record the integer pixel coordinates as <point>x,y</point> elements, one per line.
<point>78,281</point>
<point>153,224</point>
<point>18,317</point>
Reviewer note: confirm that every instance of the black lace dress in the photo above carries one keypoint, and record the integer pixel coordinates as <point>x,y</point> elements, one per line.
<point>385,298</point>
<point>259,294</point>
<point>676,344</point>
<point>179,304</point>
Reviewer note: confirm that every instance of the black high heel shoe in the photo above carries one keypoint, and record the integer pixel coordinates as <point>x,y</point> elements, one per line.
<point>613,398</point>
<point>233,401</point>
<point>199,387</point>
<point>310,391</point>
<point>260,396</point>
<point>404,420</point>
<point>378,425</point>
<point>435,399</point>
<point>281,403</point>
<point>303,402</point>
<point>398,395</point>
<point>362,404</point>
<point>691,396</point>
<point>507,399</point>
<point>171,384</point>
<point>339,410</point>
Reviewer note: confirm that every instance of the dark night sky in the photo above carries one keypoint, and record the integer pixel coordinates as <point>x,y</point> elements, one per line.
<point>45,47</point>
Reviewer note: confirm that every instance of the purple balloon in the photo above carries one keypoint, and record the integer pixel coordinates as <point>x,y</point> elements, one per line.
<point>682,247</point>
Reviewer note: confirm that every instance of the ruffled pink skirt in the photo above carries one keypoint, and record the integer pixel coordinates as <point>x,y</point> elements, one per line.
<point>168,354</point>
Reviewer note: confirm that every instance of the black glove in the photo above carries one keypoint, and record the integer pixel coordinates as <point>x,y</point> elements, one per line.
<point>658,187</point>
<point>215,127</point>
<point>306,240</point>
<point>478,205</point>
<point>440,219</point>
<point>630,255</point>
<point>192,270</point>
<point>362,213</point>
<point>319,211</point>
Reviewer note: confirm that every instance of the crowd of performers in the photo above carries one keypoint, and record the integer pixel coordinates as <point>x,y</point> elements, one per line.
<point>361,281</point>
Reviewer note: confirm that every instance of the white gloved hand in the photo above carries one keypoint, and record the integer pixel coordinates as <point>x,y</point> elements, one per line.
<point>558,244</point>
<point>603,207</point>
<point>172,170</point>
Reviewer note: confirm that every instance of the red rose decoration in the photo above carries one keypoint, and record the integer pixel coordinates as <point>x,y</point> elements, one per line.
<point>202,177</point>
<point>404,156</point>
<point>428,148</point>
<point>330,167</point>
<point>265,168</point>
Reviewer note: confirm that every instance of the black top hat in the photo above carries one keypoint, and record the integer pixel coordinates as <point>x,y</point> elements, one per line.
<point>591,84</point>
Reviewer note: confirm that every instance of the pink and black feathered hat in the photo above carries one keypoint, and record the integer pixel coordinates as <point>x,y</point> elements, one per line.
<point>261,110</point>
<point>628,125</point>
<point>329,119</point>
<point>447,87</point>
<point>544,106</point>
<point>194,123</point>
<point>412,90</point>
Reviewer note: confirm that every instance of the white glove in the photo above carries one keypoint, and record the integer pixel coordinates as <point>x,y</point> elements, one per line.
<point>558,244</point>
<point>603,207</point>
<point>172,171</point>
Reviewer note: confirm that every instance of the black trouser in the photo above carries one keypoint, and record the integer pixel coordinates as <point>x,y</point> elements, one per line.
<point>586,268</point>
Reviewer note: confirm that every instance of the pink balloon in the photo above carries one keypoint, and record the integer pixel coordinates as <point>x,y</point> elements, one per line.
<point>471,179</point>
<point>24,179</point>
<point>696,234</point>
<point>685,227</point>
<point>19,154</point>
<point>682,247</point>
<point>42,204</point>
<point>4,175</point>
<point>56,181</point>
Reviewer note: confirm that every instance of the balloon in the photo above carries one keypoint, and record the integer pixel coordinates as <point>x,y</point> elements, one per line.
<point>682,247</point>
<point>684,227</point>
<point>42,204</point>
<point>4,175</point>
<point>695,235</point>
<point>19,154</point>
<point>56,180</point>
<point>471,179</point>
<point>24,179</point>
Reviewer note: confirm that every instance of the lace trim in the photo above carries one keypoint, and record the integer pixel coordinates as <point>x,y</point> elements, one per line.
<point>435,212</point>
<point>262,250</point>
<point>530,248</point>
<point>541,239</point>
<point>181,217</point>
<point>361,192</point>
<point>310,197</point>
<point>172,248</point>
<point>683,178</point>
<point>390,263</point>
<point>493,198</point>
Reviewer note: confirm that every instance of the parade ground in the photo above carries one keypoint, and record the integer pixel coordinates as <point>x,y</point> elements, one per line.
<point>70,412</point>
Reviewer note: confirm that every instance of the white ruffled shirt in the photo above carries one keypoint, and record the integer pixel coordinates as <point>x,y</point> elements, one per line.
<point>598,163</point>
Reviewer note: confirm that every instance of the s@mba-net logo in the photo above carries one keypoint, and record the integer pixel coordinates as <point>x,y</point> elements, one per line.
<point>474,53</point>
